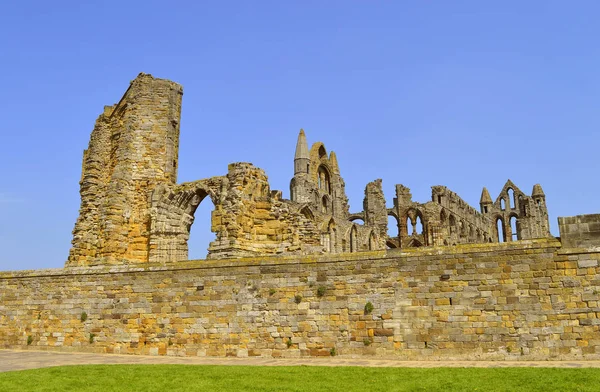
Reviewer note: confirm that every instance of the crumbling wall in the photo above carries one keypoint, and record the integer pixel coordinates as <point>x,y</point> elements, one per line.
<point>449,220</point>
<point>528,214</point>
<point>133,149</point>
<point>446,220</point>
<point>132,211</point>
<point>248,219</point>
<point>375,214</point>
<point>172,215</point>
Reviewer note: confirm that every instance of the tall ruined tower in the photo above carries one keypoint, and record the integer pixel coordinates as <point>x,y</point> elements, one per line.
<point>300,186</point>
<point>133,148</point>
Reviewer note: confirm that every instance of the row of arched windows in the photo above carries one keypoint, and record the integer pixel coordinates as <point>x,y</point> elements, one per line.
<point>330,239</point>
<point>501,229</point>
<point>512,200</point>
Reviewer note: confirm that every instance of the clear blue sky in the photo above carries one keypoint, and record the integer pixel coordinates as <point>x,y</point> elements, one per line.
<point>463,93</point>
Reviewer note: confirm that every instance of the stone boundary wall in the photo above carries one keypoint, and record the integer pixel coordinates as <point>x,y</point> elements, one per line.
<point>580,231</point>
<point>527,300</point>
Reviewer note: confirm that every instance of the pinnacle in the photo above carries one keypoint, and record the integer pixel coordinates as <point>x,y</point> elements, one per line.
<point>485,196</point>
<point>537,191</point>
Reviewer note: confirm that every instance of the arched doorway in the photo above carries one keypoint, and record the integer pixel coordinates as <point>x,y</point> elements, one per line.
<point>200,234</point>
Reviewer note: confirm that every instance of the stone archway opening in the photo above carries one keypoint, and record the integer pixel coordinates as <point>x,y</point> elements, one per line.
<point>393,233</point>
<point>200,230</point>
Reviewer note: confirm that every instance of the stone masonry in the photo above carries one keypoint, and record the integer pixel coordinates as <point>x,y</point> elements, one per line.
<point>299,277</point>
<point>133,210</point>
<point>523,300</point>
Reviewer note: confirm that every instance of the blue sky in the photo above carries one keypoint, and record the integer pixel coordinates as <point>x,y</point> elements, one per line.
<point>464,94</point>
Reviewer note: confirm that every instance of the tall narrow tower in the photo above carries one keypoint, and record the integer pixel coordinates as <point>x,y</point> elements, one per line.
<point>485,202</point>
<point>299,186</point>
<point>301,158</point>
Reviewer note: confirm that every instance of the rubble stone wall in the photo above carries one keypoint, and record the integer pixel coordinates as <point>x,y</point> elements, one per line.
<point>529,299</point>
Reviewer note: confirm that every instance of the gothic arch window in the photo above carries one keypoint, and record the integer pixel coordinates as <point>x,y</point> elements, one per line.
<point>322,152</point>
<point>419,225</point>
<point>409,226</point>
<point>307,212</point>
<point>501,235</point>
<point>393,230</point>
<point>514,228</point>
<point>324,181</point>
<point>502,204</point>
<point>511,198</point>
<point>372,241</point>
<point>198,232</point>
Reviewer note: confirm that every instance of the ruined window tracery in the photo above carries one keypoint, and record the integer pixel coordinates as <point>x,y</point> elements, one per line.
<point>512,202</point>
<point>324,180</point>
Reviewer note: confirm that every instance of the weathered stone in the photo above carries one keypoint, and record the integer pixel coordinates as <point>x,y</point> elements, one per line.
<point>535,298</point>
<point>132,211</point>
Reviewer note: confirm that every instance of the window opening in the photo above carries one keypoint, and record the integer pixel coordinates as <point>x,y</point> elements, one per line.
<point>500,230</point>
<point>514,230</point>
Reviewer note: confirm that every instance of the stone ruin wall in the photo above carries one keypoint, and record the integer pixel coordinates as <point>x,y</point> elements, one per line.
<point>133,210</point>
<point>133,148</point>
<point>450,291</point>
<point>526,300</point>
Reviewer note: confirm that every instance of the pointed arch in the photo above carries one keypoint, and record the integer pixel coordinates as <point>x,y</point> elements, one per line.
<point>510,195</point>
<point>372,240</point>
<point>322,151</point>
<point>324,179</point>
<point>500,233</point>
<point>419,228</point>
<point>409,226</point>
<point>515,227</point>
<point>353,239</point>
<point>307,212</point>
<point>199,229</point>
<point>452,222</point>
<point>325,205</point>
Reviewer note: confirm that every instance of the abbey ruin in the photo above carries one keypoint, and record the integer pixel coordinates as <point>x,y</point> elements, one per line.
<point>299,277</point>
<point>133,210</point>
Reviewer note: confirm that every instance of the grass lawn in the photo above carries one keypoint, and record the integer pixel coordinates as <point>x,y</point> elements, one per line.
<point>172,378</point>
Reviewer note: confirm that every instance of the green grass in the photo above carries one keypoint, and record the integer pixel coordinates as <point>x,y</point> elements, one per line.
<point>173,378</point>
